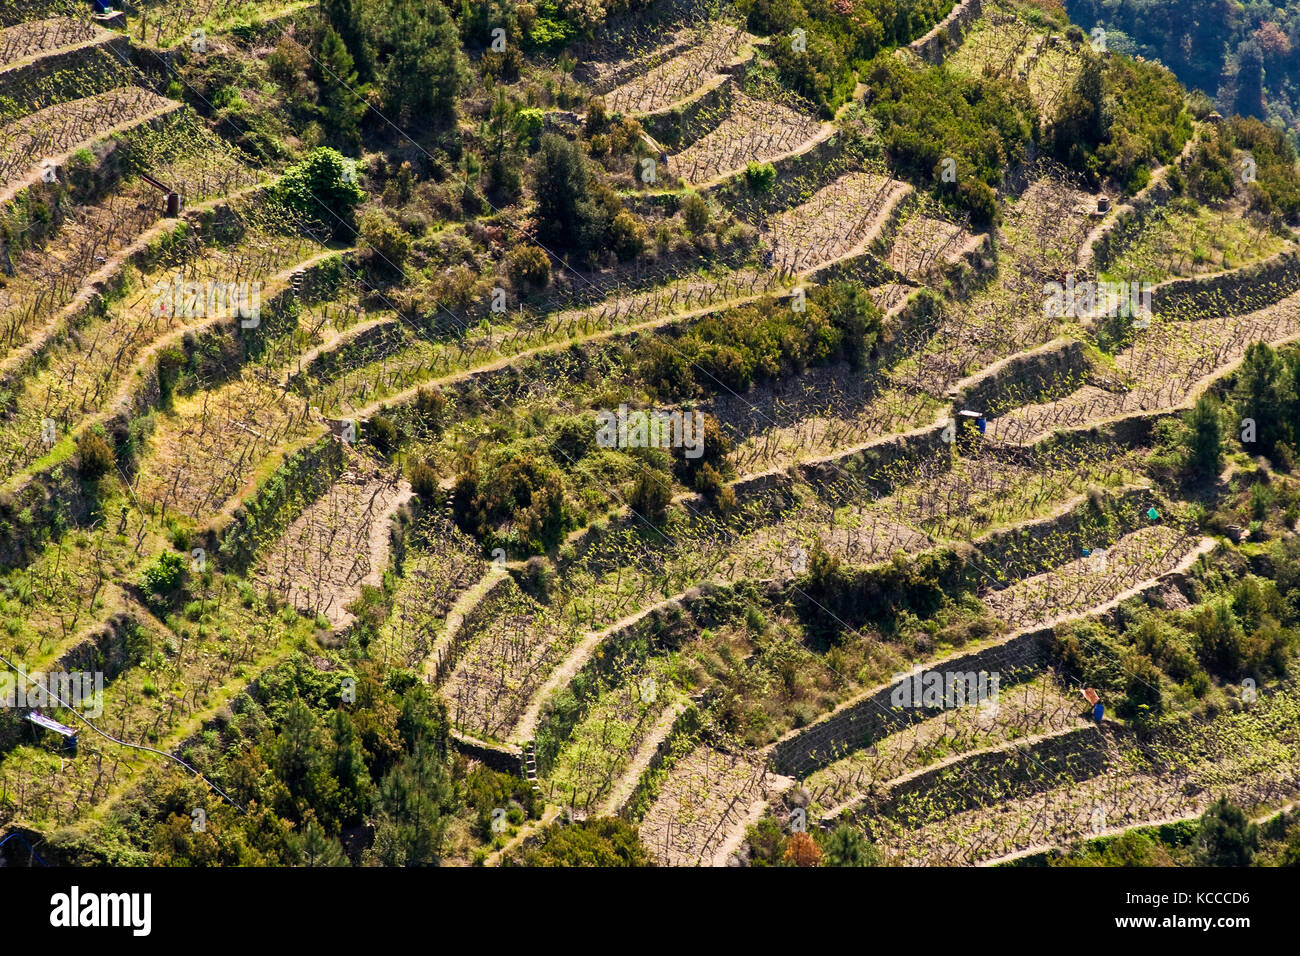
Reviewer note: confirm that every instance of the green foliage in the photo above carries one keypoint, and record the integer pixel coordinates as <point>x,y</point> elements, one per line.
<point>846,846</point>
<point>388,244</point>
<point>1150,124</point>
<point>94,456</point>
<point>1243,55</point>
<point>1205,438</point>
<point>424,482</point>
<point>1130,848</point>
<point>171,360</point>
<point>528,266</point>
<point>733,349</point>
<point>838,37</point>
<point>575,208</point>
<point>1226,837</point>
<point>381,432</point>
<point>322,189</point>
<point>309,770</point>
<point>767,843</point>
<point>834,594</point>
<point>421,66</point>
<point>486,790</point>
<point>551,28</point>
<point>511,498</point>
<point>1211,166</point>
<point>602,841</point>
<point>930,114</point>
<point>695,213</point>
<point>760,177</point>
<point>164,574</point>
<point>651,495</point>
<point>818,72</point>
<point>1230,648</point>
<point>343,103</point>
<point>345,18</point>
<point>1263,392</point>
<point>1120,120</point>
<point>507,133</point>
<point>1276,186</point>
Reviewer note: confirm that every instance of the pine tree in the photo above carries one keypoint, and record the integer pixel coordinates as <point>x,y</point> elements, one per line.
<point>344,17</point>
<point>1205,449</point>
<point>426,68</point>
<point>342,95</point>
<point>1258,396</point>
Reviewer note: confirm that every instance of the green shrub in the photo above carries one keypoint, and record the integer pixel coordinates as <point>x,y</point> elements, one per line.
<point>695,212</point>
<point>932,114</point>
<point>651,495</point>
<point>528,266</point>
<point>322,189</point>
<point>164,574</point>
<point>511,498</point>
<point>94,456</point>
<point>382,434</point>
<point>601,841</point>
<point>388,244</point>
<point>760,177</point>
<point>424,482</point>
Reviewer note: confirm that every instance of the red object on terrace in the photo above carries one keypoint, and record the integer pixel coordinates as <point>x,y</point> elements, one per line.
<point>1090,695</point>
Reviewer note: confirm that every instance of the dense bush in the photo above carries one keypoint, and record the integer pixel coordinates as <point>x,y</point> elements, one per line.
<point>602,841</point>
<point>388,245</point>
<point>411,49</point>
<point>1276,187</point>
<point>164,574</point>
<point>651,494</point>
<point>760,177</point>
<point>837,594</point>
<point>838,38</point>
<point>931,114</point>
<point>322,190</point>
<point>1122,118</point>
<point>1241,54</point>
<point>511,499</point>
<point>734,349</point>
<point>575,208</point>
<point>528,267</point>
<point>94,456</point>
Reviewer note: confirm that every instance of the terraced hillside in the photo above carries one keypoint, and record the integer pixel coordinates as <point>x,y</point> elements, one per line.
<point>599,448</point>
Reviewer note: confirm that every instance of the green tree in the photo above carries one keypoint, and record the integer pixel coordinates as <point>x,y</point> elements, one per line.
<point>425,68</point>
<point>342,95</point>
<point>1205,438</point>
<point>1081,121</point>
<point>849,847</point>
<point>344,18</point>
<point>415,802</point>
<point>302,758</point>
<point>651,495</point>
<point>349,767</point>
<point>322,189</point>
<point>506,133</point>
<point>603,841</point>
<point>1226,837</point>
<point>568,210</point>
<point>95,457</point>
<point>1258,396</point>
<point>312,846</point>
<point>695,212</point>
<point>164,574</point>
